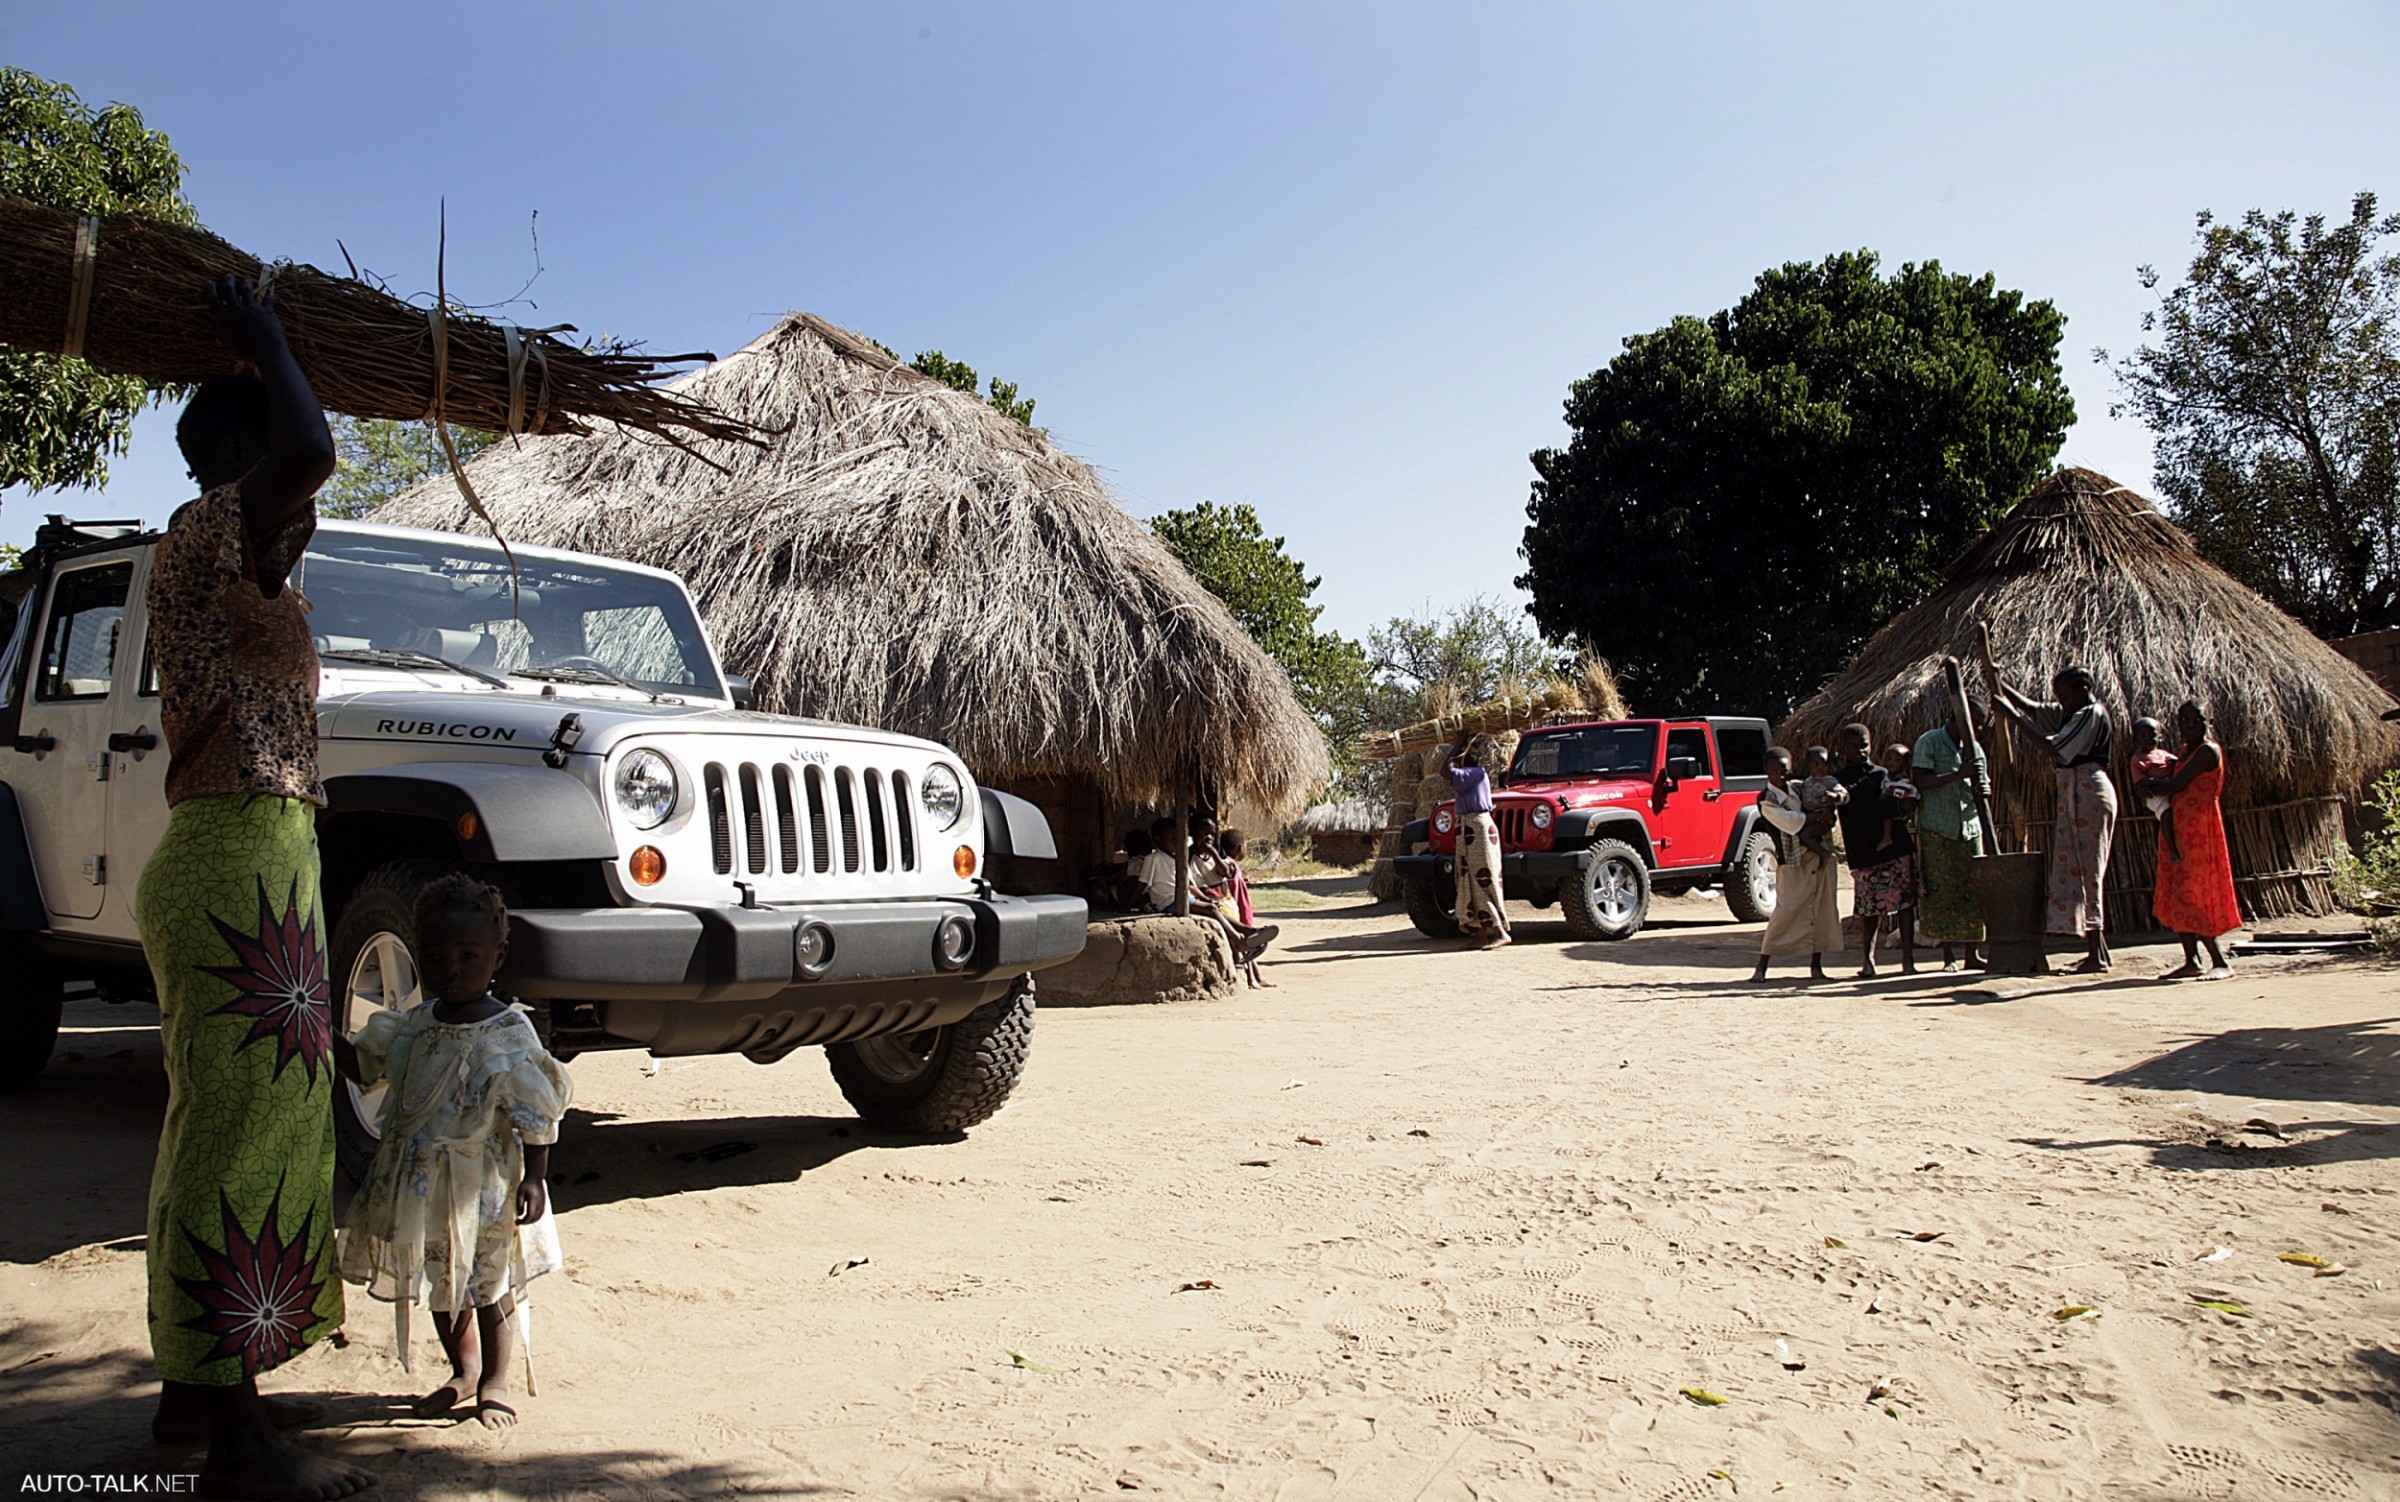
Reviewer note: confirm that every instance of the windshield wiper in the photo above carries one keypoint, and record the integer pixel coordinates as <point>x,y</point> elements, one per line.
<point>401,657</point>
<point>589,675</point>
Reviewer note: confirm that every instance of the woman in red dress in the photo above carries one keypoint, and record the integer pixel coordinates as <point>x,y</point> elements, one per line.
<point>2195,895</point>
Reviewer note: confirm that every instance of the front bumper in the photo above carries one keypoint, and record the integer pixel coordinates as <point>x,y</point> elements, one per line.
<point>746,954</point>
<point>1525,875</point>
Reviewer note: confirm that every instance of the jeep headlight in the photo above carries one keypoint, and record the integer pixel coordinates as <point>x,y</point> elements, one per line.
<point>941,796</point>
<point>1442,822</point>
<point>647,788</point>
<point>1542,816</point>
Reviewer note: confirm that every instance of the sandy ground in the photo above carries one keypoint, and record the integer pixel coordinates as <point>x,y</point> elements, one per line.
<point>1463,1225</point>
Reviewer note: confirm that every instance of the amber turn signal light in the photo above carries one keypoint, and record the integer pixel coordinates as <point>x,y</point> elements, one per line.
<point>468,824</point>
<point>964,862</point>
<point>648,865</point>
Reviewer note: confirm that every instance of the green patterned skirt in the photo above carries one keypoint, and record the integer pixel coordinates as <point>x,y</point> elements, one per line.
<point>241,1200</point>
<point>1949,912</point>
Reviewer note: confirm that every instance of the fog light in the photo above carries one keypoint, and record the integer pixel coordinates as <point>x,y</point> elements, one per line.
<point>647,865</point>
<point>963,862</point>
<point>812,950</point>
<point>954,942</point>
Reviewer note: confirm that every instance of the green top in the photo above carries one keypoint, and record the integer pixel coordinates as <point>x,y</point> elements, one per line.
<point>1948,810</point>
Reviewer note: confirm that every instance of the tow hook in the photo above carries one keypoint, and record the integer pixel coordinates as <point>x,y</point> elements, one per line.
<point>563,739</point>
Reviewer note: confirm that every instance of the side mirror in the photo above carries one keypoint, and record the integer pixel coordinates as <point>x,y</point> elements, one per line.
<point>737,688</point>
<point>1682,768</point>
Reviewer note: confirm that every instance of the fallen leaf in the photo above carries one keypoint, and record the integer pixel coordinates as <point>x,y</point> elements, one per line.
<point>1258,1162</point>
<point>2222,1306</point>
<point>2302,1259</point>
<point>1919,1235</point>
<point>1726,1476</point>
<point>2261,1125</point>
<point>1311,1141</point>
<point>2074,1312</point>
<point>1296,1084</point>
<point>1791,1362</point>
<point>1837,1243</point>
<point>2219,1255</point>
<point>1890,1412</point>
<point>1018,1358</point>
<point>844,1266</point>
<point>2331,1270</point>
<point>1204,1285</point>
<point>1421,1132</point>
<point>1702,1396</point>
<point>2331,1208</point>
<point>1923,1167</point>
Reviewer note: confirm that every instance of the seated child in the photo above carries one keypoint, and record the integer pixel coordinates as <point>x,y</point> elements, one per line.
<point>1899,793</point>
<point>472,1105</point>
<point>2153,762</point>
<point>1820,794</point>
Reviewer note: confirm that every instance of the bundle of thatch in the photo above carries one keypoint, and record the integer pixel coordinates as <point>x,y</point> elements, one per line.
<point>904,555</point>
<point>124,294</point>
<point>2085,573</point>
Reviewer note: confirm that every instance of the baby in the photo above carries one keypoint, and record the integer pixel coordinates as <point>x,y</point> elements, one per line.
<point>2153,761</point>
<point>1820,794</point>
<point>1901,792</point>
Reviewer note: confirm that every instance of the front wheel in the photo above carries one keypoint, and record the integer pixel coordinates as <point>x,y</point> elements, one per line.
<point>374,970</point>
<point>1429,900</point>
<point>1613,897</point>
<point>1750,885</point>
<point>30,999</point>
<point>944,1079</point>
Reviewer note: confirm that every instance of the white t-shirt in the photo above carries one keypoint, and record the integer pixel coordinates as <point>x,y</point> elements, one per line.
<point>1156,872</point>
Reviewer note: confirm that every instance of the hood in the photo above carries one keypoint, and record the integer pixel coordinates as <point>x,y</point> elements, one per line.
<point>527,721</point>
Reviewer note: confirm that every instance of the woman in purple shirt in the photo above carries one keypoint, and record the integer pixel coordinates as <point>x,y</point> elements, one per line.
<point>1482,911</point>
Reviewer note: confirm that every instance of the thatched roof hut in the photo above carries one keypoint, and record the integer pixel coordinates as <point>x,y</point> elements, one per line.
<point>2084,572</point>
<point>903,555</point>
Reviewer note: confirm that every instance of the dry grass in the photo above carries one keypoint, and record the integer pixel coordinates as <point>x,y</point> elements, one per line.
<point>903,555</point>
<point>2085,573</point>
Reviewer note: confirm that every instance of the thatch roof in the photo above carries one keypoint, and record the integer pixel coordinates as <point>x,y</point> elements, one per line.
<point>2085,573</point>
<point>1347,816</point>
<point>904,555</point>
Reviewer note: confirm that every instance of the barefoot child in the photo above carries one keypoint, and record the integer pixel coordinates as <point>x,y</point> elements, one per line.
<point>456,1210</point>
<point>2153,762</point>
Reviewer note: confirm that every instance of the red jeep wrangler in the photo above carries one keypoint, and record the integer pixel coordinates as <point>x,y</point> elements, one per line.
<point>1597,817</point>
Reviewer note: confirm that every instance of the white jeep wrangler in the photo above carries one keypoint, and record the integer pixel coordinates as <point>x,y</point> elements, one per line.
<point>682,875</point>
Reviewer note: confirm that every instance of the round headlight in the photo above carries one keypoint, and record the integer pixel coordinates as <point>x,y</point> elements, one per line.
<point>1442,822</point>
<point>940,794</point>
<point>1541,816</point>
<point>647,788</point>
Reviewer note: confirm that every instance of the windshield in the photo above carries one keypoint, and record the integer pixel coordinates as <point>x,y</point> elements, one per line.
<point>573,622</point>
<point>1593,751</point>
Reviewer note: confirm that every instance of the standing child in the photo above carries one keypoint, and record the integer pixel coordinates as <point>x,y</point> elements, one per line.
<point>456,1210</point>
<point>2153,762</point>
<point>1230,847</point>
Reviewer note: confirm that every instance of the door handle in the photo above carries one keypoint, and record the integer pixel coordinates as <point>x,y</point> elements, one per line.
<point>1712,795</point>
<point>35,745</point>
<point>133,740</point>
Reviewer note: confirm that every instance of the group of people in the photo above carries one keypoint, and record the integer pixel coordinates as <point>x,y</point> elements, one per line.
<point>1910,828</point>
<point>246,1267</point>
<point>1217,887</point>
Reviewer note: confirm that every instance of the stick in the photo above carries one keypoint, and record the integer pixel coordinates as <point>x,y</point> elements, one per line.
<point>1980,770</point>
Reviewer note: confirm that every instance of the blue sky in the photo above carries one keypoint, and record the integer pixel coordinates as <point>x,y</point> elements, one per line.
<point>1338,261</point>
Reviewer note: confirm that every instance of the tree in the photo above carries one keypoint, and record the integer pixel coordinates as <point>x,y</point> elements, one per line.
<point>1466,655</point>
<point>1746,497</point>
<point>380,458</point>
<point>61,420</point>
<point>2274,389</point>
<point>1268,590</point>
<point>960,376</point>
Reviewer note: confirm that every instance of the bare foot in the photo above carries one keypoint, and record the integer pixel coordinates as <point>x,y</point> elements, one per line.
<point>444,1398</point>
<point>262,1466</point>
<point>1867,972</point>
<point>2087,966</point>
<point>181,1417</point>
<point>2185,971</point>
<point>491,1405</point>
<point>2222,972</point>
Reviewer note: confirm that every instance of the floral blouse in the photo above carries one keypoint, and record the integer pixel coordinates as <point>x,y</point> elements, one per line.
<point>237,670</point>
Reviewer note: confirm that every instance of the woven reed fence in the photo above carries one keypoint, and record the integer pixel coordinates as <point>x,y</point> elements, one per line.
<point>2283,855</point>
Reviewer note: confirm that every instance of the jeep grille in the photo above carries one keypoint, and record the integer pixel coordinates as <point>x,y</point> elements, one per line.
<point>812,820</point>
<point>1512,826</point>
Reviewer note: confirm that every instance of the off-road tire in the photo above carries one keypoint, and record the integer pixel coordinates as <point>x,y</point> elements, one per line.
<point>385,902</point>
<point>967,1070</point>
<point>1750,884</point>
<point>1613,897</point>
<point>1430,906</point>
<point>30,998</point>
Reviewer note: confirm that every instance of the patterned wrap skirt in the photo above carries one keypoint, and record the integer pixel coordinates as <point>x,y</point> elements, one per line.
<point>1885,888</point>
<point>1481,908</point>
<point>241,1201</point>
<point>2079,846</point>
<point>1948,912</point>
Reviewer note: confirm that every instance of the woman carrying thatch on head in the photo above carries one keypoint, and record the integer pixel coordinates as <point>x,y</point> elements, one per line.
<point>2077,732</point>
<point>1482,907</point>
<point>2195,897</point>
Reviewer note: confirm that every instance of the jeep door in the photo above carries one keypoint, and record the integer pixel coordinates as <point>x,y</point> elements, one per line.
<point>1689,813</point>
<point>63,789</point>
<point>137,774</point>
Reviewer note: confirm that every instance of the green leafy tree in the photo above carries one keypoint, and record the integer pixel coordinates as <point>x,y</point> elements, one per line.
<point>379,458</point>
<point>960,376</point>
<point>61,420</point>
<point>2274,388</point>
<point>1746,497</point>
<point>1465,655</point>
